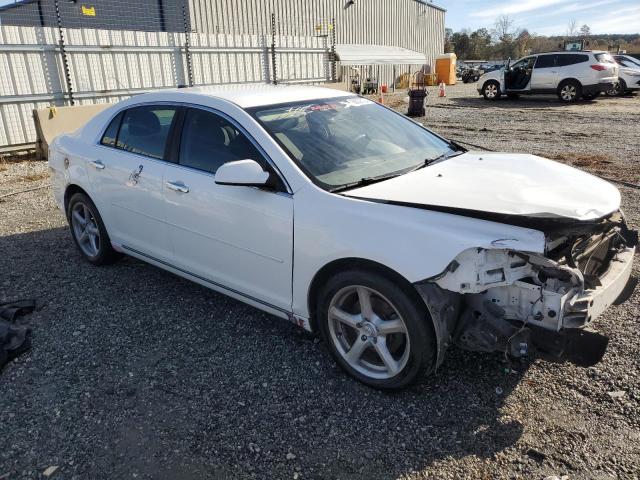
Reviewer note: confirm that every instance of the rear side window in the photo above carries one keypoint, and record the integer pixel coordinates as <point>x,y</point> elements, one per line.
<point>111,133</point>
<point>209,140</point>
<point>604,58</point>
<point>546,61</point>
<point>571,59</point>
<point>145,130</point>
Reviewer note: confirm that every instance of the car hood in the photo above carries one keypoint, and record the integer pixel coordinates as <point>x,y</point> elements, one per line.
<point>501,185</point>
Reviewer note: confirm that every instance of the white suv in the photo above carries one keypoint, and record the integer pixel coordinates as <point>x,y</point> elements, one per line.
<point>571,75</point>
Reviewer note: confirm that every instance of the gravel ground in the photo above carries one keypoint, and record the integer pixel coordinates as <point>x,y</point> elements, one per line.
<point>136,373</point>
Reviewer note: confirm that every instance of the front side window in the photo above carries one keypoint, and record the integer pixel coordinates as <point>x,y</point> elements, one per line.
<point>209,140</point>
<point>340,141</point>
<point>545,61</point>
<point>145,130</point>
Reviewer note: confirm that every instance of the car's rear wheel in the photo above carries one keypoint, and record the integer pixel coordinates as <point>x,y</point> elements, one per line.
<point>376,330</point>
<point>491,90</point>
<point>88,231</point>
<point>617,89</point>
<point>569,91</point>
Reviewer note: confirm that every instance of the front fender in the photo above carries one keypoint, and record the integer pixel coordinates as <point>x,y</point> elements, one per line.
<point>415,243</point>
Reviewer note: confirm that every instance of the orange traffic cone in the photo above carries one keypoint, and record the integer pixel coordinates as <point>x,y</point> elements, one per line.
<point>441,91</point>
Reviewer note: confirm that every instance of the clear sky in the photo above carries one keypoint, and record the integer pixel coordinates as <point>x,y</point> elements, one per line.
<point>546,17</point>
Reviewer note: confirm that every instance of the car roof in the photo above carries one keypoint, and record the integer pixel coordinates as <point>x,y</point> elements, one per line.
<point>569,52</point>
<point>252,95</point>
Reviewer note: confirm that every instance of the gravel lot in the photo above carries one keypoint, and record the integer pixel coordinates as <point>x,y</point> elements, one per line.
<point>136,373</point>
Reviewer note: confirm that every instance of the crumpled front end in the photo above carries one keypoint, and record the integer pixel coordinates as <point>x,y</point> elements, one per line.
<point>522,303</point>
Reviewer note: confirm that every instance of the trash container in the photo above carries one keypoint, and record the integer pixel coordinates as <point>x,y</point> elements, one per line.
<point>416,102</point>
<point>417,94</point>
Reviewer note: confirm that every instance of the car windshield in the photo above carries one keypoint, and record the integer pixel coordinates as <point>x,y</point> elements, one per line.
<point>627,62</point>
<point>343,141</point>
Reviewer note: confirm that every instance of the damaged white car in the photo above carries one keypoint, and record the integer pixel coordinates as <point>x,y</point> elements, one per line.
<point>350,220</point>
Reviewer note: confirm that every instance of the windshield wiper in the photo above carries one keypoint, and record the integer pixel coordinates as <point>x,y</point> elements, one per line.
<point>363,182</point>
<point>429,161</point>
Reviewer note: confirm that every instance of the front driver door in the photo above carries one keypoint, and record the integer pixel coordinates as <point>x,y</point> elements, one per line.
<point>518,76</point>
<point>127,176</point>
<point>236,237</point>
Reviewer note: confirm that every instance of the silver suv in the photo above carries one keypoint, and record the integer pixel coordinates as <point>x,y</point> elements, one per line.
<point>571,75</point>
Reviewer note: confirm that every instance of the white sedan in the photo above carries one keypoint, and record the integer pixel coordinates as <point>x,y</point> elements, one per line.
<point>350,220</point>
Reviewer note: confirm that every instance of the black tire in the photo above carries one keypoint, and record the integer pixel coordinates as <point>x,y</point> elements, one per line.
<point>569,91</point>
<point>105,253</point>
<point>421,357</point>
<point>491,90</point>
<point>618,89</point>
<point>513,96</point>
<point>590,96</point>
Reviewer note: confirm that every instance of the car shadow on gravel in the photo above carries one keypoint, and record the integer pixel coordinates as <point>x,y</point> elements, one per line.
<point>134,370</point>
<point>525,101</point>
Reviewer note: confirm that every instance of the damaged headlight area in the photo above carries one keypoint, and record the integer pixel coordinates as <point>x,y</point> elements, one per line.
<point>525,303</point>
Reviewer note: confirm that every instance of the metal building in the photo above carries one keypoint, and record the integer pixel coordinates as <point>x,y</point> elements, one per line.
<point>416,25</point>
<point>74,52</point>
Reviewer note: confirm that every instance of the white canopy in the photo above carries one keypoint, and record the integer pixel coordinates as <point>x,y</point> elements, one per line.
<point>352,54</point>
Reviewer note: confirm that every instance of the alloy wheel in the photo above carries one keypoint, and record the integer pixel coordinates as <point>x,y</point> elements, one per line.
<point>614,91</point>
<point>491,90</point>
<point>568,92</point>
<point>85,229</point>
<point>368,332</point>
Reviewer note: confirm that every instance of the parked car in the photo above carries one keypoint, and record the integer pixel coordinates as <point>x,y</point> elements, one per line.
<point>626,60</point>
<point>570,75</point>
<point>351,220</point>
<point>628,76</point>
<point>471,74</point>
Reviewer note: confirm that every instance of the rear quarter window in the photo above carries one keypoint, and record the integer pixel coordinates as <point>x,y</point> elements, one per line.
<point>111,133</point>
<point>604,58</point>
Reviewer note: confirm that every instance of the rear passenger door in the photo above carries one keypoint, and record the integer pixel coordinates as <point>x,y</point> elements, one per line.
<point>236,238</point>
<point>545,73</point>
<point>574,65</point>
<point>127,176</point>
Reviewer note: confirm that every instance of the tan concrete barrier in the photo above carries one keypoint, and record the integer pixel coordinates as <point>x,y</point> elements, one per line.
<point>51,122</point>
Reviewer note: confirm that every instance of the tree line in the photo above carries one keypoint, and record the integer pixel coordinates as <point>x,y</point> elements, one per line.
<point>505,40</point>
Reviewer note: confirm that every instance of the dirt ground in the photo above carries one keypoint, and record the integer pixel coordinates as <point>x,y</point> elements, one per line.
<point>136,373</point>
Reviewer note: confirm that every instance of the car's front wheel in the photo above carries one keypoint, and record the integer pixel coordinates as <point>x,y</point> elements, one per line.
<point>491,90</point>
<point>88,231</point>
<point>376,329</point>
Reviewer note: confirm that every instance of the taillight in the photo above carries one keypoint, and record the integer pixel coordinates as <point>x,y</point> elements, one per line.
<point>599,68</point>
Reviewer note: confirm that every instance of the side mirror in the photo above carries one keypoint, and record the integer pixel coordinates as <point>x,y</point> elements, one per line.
<point>242,173</point>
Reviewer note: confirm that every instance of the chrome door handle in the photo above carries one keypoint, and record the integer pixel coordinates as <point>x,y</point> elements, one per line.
<point>98,165</point>
<point>178,187</point>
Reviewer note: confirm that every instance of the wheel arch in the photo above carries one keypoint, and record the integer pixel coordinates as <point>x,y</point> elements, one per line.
<point>70,191</point>
<point>568,79</point>
<point>339,265</point>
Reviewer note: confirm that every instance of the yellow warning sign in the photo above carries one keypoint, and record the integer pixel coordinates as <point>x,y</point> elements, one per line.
<point>89,10</point>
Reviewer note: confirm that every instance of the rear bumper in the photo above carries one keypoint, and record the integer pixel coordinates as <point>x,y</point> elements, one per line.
<point>597,87</point>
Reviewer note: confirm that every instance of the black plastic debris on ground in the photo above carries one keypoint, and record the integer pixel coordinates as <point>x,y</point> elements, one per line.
<point>15,334</point>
